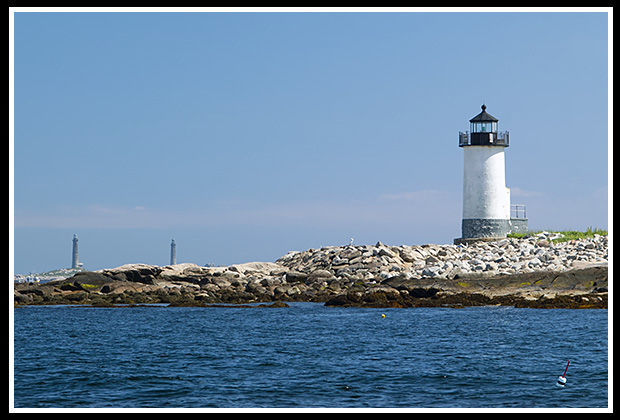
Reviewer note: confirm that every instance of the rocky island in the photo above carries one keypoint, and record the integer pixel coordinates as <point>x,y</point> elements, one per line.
<point>534,272</point>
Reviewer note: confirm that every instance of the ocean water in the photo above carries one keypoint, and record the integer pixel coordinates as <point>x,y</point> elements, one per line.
<point>308,355</point>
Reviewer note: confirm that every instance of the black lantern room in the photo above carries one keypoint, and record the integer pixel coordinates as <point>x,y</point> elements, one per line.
<point>483,132</point>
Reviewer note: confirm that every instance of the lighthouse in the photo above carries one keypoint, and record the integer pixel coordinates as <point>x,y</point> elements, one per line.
<point>173,253</point>
<point>75,261</point>
<point>486,200</point>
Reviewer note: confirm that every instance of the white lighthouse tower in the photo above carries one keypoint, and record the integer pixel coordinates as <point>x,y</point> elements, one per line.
<point>486,200</point>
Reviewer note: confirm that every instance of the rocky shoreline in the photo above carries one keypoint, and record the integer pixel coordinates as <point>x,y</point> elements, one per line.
<point>534,272</point>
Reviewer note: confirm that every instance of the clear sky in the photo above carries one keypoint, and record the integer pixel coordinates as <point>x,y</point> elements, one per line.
<point>246,135</point>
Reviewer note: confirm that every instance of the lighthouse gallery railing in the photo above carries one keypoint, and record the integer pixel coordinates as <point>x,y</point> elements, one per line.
<point>501,138</point>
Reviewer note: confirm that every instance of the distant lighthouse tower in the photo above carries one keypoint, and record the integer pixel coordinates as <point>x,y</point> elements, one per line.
<point>173,253</point>
<point>75,262</point>
<point>486,200</point>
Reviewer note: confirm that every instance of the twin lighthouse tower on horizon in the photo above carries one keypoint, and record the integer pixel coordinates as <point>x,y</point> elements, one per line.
<point>486,199</point>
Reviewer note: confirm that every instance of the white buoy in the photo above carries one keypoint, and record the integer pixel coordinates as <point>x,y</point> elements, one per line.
<point>562,379</point>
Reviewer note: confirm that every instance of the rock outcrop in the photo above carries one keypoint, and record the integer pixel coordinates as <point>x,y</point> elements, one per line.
<point>529,271</point>
<point>507,256</point>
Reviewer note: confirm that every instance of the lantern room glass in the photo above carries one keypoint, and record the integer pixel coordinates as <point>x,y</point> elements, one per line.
<point>483,127</point>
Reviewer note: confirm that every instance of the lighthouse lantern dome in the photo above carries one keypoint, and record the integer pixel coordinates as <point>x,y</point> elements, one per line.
<point>483,132</point>
<point>483,122</point>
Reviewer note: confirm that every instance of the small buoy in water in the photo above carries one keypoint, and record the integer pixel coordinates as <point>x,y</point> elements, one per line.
<point>562,379</point>
<point>382,315</point>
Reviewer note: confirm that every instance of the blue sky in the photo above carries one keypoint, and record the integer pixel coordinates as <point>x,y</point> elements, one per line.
<point>246,135</point>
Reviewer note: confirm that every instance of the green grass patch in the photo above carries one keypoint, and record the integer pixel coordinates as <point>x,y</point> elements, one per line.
<point>568,234</point>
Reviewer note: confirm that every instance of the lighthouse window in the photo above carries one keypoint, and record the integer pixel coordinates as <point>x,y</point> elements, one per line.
<point>484,127</point>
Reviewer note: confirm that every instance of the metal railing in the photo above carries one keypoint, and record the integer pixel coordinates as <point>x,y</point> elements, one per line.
<point>503,137</point>
<point>463,138</point>
<point>517,211</point>
<point>500,138</point>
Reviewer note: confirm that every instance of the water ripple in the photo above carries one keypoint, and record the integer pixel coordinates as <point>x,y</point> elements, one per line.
<point>308,356</point>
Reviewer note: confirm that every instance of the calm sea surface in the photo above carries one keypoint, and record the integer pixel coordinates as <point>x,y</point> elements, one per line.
<point>308,355</point>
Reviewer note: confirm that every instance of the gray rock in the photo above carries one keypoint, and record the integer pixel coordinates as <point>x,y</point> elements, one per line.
<point>384,252</point>
<point>339,261</point>
<point>409,255</point>
<point>430,271</point>
<point>490,266</point>
<point>318,275</point>
<point>431,260</point>
<point>534,262</point>
<point>293,276</point>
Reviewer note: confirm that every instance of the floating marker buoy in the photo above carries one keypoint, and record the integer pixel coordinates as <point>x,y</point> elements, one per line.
<point>562,379</point>
<point>382,315</point>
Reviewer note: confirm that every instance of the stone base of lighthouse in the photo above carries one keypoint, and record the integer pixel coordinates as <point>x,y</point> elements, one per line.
<point>473,228</point>
<point>487,230</point>
<point>483,230</point>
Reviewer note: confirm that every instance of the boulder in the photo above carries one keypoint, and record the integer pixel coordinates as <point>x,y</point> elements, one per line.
<point>410,255</point>
<point>258,267</point>
<point>431,271</point>
<point>91,277</point>
<point>293,276</point>
<point>319,275</point>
